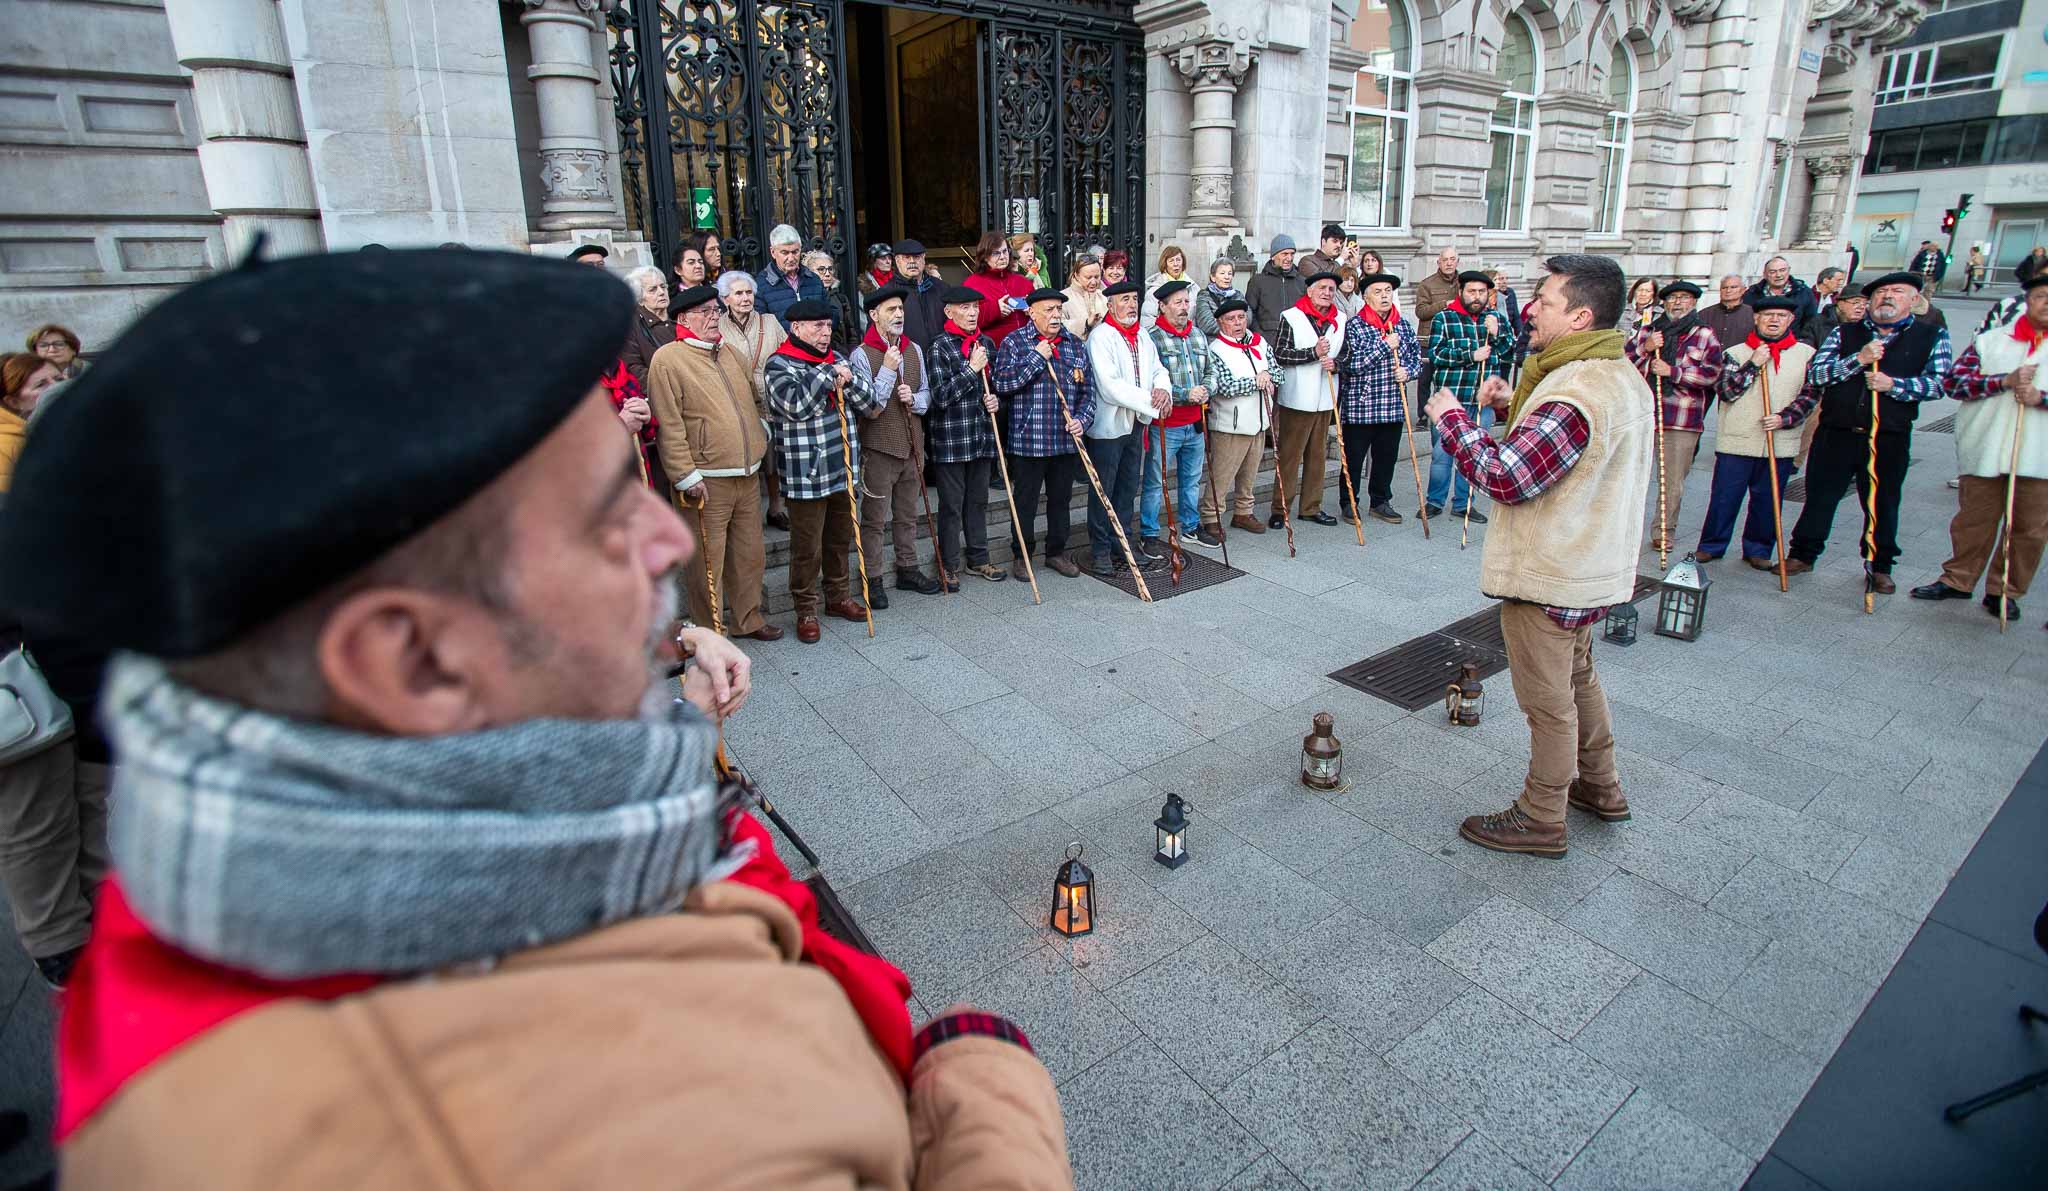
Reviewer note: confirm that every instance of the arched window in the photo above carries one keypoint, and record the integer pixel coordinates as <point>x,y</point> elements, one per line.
<point>1381,96</point>
<point>1513,128</point>
<point>1614,139</point>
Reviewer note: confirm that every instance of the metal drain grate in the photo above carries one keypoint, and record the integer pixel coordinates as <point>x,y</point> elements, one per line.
<point>1945,425</point>
<point>1201,571</point>
<point>1796,490</point>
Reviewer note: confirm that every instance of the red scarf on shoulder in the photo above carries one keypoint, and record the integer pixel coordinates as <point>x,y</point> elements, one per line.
<point>1170,329</point>
<point>874,338</point>
<point>797,351</point>
<point>1383,324</point>
<point>1777,348</point>
<point>1252,347</point>
<point>967,338</point>
<point>1129,333</point>
<point>1321,320</point>
<point>2026,332</point>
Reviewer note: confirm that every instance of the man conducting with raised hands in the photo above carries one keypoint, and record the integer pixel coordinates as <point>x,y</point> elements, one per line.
<point>1569,482</point>
<point>423,876</point>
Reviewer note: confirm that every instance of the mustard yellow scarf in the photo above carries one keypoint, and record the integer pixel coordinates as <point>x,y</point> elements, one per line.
<point>1579,345</point>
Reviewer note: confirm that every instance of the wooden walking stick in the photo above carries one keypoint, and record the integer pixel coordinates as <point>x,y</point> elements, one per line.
<point>1279,481</point>
<point>1343,459</point>
<point>710,572</point>
<point>1657,430</point>
<point>860,549</point>
<point>1771,461</point>
<point>1870,496</point>
<point>1088,465</point>
<point>1179,564</point>
<point>931,522</point>
<point>1421,501</point>
<point>2012,479</point>
<point>1209,474</point>
<point>1010,494</point>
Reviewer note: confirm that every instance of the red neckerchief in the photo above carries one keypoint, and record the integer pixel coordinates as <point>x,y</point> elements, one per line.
<point>683,332</point>
<point>797,351</point>
<point>1170,329</point>
<point>1372,318</point>
<point>2026,332</point>
<point>1777,349</point>
<point>967,338</point>
<point>1129,333</point>
<point>880,278</point>
<point>1322,321</point>
<point>1249,347</point>
<point>874,339</point>
<point>621,387</point>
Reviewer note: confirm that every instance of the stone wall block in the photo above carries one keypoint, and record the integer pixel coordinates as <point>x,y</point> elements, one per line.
<point>257,177</point>
<point>245,103</point>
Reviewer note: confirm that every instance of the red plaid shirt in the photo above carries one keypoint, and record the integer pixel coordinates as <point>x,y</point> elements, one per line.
<point>1967,382</point>
<point>1534,456</point>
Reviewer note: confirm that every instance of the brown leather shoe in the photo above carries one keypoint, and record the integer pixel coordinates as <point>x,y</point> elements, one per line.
<point>1881,583</point>
<point>847,609</point>
<point>1247,523</point>
<point>1064,565</point>
<point>1797,566</point>
<point>1512,831</point>
<point>1020,570</point>
<point>767,632</point>
<point>1610,805</point>
<point>808,630</point>
<point>1760,564</point>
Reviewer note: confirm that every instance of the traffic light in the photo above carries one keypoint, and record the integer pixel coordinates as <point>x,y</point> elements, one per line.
<point>1948,220</point>
<point>1963,205</point>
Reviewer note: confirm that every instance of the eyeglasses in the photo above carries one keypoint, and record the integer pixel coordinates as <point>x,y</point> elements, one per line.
<point>52,342</point>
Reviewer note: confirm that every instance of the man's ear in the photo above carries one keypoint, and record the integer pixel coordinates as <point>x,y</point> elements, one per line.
<point>407,662</point>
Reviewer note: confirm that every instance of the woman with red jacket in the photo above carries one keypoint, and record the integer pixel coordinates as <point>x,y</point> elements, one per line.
<point>1002,288</point>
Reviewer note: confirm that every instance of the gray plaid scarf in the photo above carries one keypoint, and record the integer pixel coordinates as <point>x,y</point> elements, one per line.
<point>292,850</point>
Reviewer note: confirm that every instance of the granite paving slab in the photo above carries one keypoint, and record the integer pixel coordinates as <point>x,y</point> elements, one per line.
<point>1135,927</point>
<point>1550,886</point>
<point>1478,1165</point>
<point>1797,841</point>
<point>1796,999</point>
<point>1891,878</point>
<point>1146,1126</point>
<point>1680,859</point>
<point>934,673</point>
<point>1754,770</point>
<point>1837,928</point>
<point>948,939</point>
<point>1267,1174</point>
<point>1372,982</point>
<point>1071,1024</point>
<point>1555,976</point>
<point>1288,822</point>
<point>1692,947</point>
<point>1033,747</point>
<point>1242,1016</point>
<point>1250,900</point>
<point>1647,1144</point>
<point>1932,832</point>
<point>1411,892</point>
<point>1413,807</point>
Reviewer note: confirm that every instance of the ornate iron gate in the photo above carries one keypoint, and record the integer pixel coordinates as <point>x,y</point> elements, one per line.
<point>745,101</point>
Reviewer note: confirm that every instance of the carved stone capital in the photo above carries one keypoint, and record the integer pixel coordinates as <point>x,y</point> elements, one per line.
<point>1830,165</point>
<point>1692,12</point>
<point>577,175</point>
<point>1214,65</point>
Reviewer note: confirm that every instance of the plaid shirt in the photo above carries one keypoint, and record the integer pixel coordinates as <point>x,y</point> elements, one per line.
<point>1454,336</point>
<point>958,429</point>
<point>1368,390</point>
<point>1017,373</point>
<point>1737,378</point>
<point>1695,375</point>
<point>1967,381</point>
<point>804,421</point>
<point>1187,365</point>
<point>1534,456</point>
<point>1830,366</point>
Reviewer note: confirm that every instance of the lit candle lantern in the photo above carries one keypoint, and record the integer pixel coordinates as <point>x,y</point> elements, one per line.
<point>1171,829</point>
<point>1073,895</point>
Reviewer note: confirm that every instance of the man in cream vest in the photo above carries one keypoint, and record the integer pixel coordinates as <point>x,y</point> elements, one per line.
<point>1998,380</point>
<point>1755,401</point>
<point>1309,345</point>
<point>1569,481</point>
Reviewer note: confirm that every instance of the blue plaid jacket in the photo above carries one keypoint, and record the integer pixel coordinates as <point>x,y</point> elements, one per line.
<point>1036,429</point>
<point>957,428</point>
<point>803,420</point>
<point>1368,390</point>
<point>1453,336</point>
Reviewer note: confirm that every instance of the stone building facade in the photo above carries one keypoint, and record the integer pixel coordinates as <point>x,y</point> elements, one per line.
<point>144,143</point>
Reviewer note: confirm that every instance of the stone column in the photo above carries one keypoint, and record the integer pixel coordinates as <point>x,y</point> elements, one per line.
<point>1824,213</point>
<point>1567,168</point>
<point>252,147</point>
<point>576,192</point>
<point>1452,151</point>
<point>1212,71</point>
<point>1653,219</point>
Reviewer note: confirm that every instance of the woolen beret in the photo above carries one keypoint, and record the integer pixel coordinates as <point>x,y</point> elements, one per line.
<point>695,296</point>
<point>1678,287</point>
<point>958,295</point>
<point>909,248</point>
<point>262,435</point>
<point>1471,275</point>
<point>809,310</point>
<point>1325,275</point>
<point>1127,286</point>
<point>1912,279</point>
<point>2034,282</point>
<point>879,296</point>
<point>1171,288</point>
<point>1231,306</point>
<point>1371,279</point>
<point>1044,295</point>
<point>582,250</point>
<point>1774,302</point>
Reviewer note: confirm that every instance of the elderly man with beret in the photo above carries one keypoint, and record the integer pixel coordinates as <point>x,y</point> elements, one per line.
<point>1682,359</point>
<point>892,441</point>
<point>1045,373</point>
<point>422,874</point>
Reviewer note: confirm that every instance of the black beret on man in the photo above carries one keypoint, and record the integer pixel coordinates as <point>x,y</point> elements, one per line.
<point>695,296</point>
<point>1775,302</point>
<point>262,435</point>
<point>583,251</point>
<point>1372,279</point>
<point>909,248</point>
<point>1679,287</point>
<point>1325,275</point>
<point>2035,282</point>
<point>1231,306</point>
<point>810,310</point>
<point>1044,295</point>
<point>1171,288</point>
<point>960,295</point>
<point>1471,275</point>
<point>1870,288</point>
<point>1127,286</point>
<point>879,296</point>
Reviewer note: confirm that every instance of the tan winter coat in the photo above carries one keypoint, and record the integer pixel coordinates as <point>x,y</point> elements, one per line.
<point>708,418</point>
<point>688,1050</point>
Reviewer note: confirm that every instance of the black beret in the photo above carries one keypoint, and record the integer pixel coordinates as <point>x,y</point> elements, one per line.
<point>1912,279</point>
<point>2034,282</point>
<point>908,248</point>
<point>1044,295</point>
<point>1325,275</point>
<point>1471,275</point>
<point>879,296</point>
<point>582,250</point>
<point>695,296</point>
<point>1678,287</point>
<point>262,435</point>
<point>810,310</point>
<point>1371,279</point>
<point>1231,306</point>
<point>1775,302</point>
<point>957,295</point>
<point>1129,285</point>
<point>1171,288</point>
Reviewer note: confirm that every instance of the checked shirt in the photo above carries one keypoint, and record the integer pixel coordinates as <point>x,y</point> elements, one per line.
<point>1695,376</point>
<point>1453,338</point>
<point>1368,390</point>
<point>1830,366</point>
<point>1036,429</point>
<point>803,415</point>
<point>1534,456</point>
<point>1186,359</point>
<point>957,429</point>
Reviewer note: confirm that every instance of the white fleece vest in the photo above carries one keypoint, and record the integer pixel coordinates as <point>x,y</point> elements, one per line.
<point>1984,429</point>
<point>1246,414</point>
<point>1741,431</point>
<point>1576,544</point>
<point>1306,387</point>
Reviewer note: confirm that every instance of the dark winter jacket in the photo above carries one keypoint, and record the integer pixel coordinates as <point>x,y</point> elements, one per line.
<point>1272,292</point>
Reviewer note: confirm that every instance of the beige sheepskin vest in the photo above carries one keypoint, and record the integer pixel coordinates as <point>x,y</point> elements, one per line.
<point>1741,431</point>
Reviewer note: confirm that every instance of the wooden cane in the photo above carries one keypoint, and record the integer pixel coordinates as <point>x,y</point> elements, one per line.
<point>1088,465</point>
<point>1279,480</point>
<point>710,572</point>
<point>1421,501</point>
<point>1771,461</point>
<point>1209,474</point>
<point>2012,479</point>
<point>1179,564</point>
<point>1343,460</point>
<point>1010,494</point>
<point>1870,496</point>
<point>932,523</point>
<point>1657,430</point>
<point>860,549</point>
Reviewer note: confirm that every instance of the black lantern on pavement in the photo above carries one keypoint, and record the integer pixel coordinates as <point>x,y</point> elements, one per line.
<point>1322,755</point>
<point>1621,624</point>
<point>1171,829</point>
<point>1682,601</point>
<point>1465,698</point>
<point>1073,895</point>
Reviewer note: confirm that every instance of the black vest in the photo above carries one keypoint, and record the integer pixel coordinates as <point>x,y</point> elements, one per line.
<point>1845,405</point>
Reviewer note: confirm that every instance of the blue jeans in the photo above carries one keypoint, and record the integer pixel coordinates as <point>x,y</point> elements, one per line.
<point>1116,465</point>
<point>1441,471</point>
<point>1184,444</point>
<point>1736,476</point>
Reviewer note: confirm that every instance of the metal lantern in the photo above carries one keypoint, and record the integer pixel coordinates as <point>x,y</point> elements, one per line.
<point>1621,624</point>
<point>1171,829</point>
<point>1682,601</point>
<point>1073,895</point>
<point>1465,699</point>
<point>1322,755</point>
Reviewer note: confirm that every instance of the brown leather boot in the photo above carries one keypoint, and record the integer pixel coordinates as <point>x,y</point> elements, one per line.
<point>1512,831</point>
<point>1247,523</point>
<point>847,609</point>
<point>1602,804</point>
<point>808,630</point>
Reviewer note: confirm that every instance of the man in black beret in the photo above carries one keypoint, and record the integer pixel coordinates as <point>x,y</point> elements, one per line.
<point>1241,392</point>
<point>1131,391</point>
<point>1755,400</point>
<point>813,400</point>
<point>892,442</point>
<point>1308,348</point>
<point>1468,342</point>
<point>590,254</point>
<point>1681,358</point>
<point>924,299</point>
<point>961,432</point>
<point>1916,357</point>
<point>1044,371</point>
<point>1184,352</point>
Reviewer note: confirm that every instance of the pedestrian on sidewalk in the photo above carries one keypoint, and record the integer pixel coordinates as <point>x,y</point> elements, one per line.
<point>1036,366</point>
<point>1241,389</point>
<point>1999,379</point>
<point>961,437</point>
<point>1309,348</point>
<point>1916,359</point>
<point>1567,482</point>
<point>1185,353</point>
<point>1755,400</point>
<point>1469,342</point>
<point>1133,390</point>
<point>1682,360</point>
<point>892,443</point>
<point>1380,357</point>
